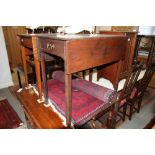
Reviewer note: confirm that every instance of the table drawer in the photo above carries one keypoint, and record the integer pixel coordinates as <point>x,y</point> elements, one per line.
<point>53,46</point>
<point>27,42</point>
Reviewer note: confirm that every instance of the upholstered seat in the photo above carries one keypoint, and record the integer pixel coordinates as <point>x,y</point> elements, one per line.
<point>88,99</point>
<point>104,82</point>
<point>128,91</point>
<point>138,92</point>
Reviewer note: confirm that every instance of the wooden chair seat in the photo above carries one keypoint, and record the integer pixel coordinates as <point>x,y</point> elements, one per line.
<point>137,94</point>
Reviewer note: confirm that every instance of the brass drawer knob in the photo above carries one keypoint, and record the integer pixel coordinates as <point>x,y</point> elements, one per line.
<point>50,46</point>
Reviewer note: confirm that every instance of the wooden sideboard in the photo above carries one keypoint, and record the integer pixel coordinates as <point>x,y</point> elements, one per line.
<point>79,52</point>
<point>110,70</point>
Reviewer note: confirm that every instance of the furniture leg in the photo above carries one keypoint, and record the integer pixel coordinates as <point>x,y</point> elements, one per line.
<point>124,112</point>
<point>19,79</point>
<point>139,105</point>
<point>90,74</point>
<point>111,119</point>
<point>43,69</point>
<point>131,111</point>
<point>23,52</point>
<point>37,68</point>
<point>38,79</point>
<point>68,98</point>
<point>83,74</point>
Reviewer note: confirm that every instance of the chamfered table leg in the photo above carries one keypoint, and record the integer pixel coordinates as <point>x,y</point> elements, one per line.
<point>68,97</point>
<point>37,67</point>
<point>43,71</point>
<point>23,53</point>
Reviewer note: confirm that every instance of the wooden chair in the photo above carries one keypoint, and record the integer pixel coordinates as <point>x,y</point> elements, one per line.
<point>125,93</point>
<point>134,102</point>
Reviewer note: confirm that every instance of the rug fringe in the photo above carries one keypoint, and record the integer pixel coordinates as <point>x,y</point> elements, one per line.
<point>50,104</point>
<point>2,98</point>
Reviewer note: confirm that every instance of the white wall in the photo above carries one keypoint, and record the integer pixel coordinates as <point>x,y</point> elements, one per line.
<point>146,29</point>
<point>5,74</point>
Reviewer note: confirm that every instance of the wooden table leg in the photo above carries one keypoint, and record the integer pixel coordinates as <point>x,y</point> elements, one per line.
<point>43,69</point>
<point>68,97</point>
<point>37,68</point>
<point>23,52</point>
<point>38,79</point>
<point>91,74</point>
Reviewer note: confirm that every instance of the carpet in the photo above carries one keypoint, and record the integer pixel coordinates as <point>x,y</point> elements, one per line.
<point>8,117</point>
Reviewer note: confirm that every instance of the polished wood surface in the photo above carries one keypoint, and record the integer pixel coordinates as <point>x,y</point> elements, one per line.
<point>40,116</point>
<point>111,70</point>
<point>79,52</point>
<point>84,54</point>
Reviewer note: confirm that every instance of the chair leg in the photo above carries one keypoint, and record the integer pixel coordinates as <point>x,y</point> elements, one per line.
<point>90,74</point>
<point>139,105</point>
<point>111,121</point>
<point>124,112</point>
<point>131,111</point>
<point>83,74</point>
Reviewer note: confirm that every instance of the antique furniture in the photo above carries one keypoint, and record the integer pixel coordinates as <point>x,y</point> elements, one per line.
<point>77,52</point>
<point>51,66</point>
<point>147,55</point>
<point>20,71</point>
<point>109,70</point>
<point>126,93</point>
<point>149,52</point>
<point>89,101</point>
<point>134,102</point>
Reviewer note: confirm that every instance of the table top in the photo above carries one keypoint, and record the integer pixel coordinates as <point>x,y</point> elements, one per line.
<point>70,36</point>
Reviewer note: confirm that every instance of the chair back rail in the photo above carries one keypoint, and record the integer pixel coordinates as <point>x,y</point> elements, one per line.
<point>130,81</point>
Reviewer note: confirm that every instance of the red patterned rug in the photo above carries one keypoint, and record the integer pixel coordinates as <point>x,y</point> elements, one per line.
<point>8,117</point>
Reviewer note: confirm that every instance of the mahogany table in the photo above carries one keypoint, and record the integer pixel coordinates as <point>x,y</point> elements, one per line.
<point>79,52</point>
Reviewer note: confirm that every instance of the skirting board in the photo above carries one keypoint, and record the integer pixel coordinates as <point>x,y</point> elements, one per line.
<point>5,85</point>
